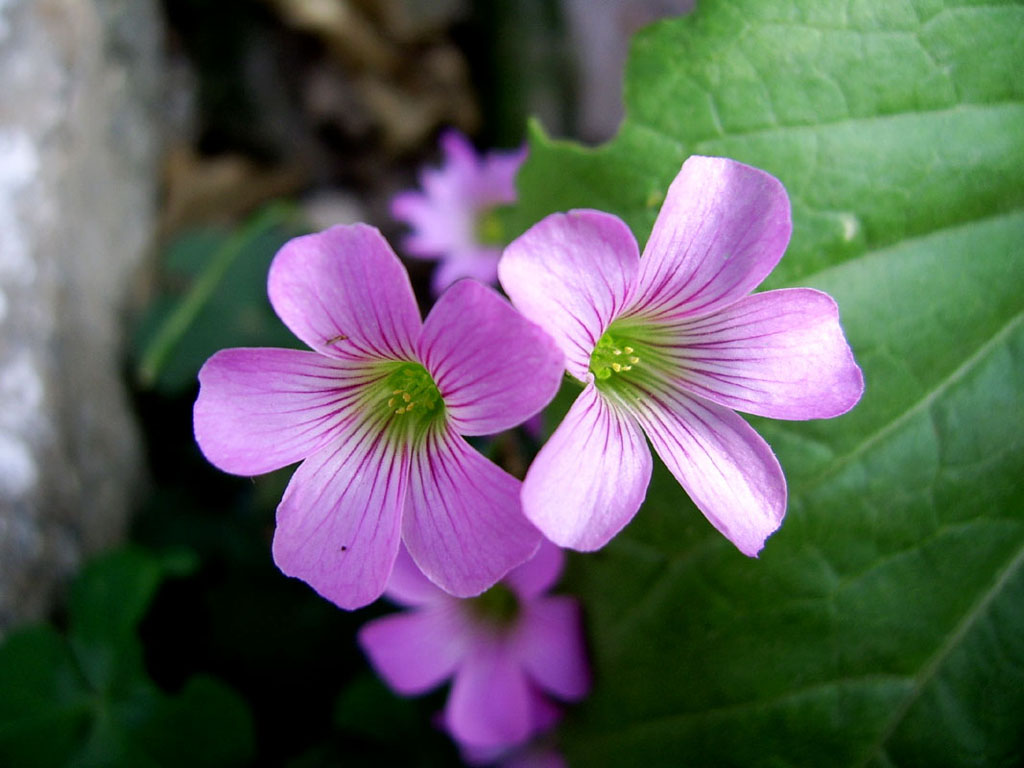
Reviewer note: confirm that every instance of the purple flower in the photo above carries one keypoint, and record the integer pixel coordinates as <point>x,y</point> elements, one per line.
<point>453,219</point>
<point>504,650</point>
<point>376,412</point>
<point>668,345</point>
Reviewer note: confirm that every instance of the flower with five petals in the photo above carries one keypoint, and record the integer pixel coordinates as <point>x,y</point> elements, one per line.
<point>375,413</point>
<point>670,345</point>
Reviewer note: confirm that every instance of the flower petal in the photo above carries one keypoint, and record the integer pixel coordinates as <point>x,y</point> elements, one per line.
<point>417,650</point>
<point>727,468</point>
<point>464,525</point>
<point>551,646</point>
<point>722,228</point>
<point>408,586</point>
<point>494,368</point>
<point>339,523</point>
<point>539,573</point>
<point>571,273</point>
<point>478,263</point>
<point>263,409</point>
<point>780,354</point>
<point>344,292</point>
<point>489,704</point>
<point>591,476</point>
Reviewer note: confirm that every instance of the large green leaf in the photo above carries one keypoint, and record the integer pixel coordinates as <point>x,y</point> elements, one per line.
<point>884,624</point>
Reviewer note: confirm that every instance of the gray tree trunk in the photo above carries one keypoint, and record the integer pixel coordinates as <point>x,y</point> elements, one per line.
<point>79,87</point>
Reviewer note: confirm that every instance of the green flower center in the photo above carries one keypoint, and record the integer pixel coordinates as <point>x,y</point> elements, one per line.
<point>489,228</point>
<point>613,357</point>
<point>410,398</point>
<point>497,607</point>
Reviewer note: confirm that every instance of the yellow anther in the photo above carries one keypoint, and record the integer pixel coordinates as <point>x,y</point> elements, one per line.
<point>409,407</point>
<point>616,367</point>
<point>401,410</point>
<point>396,392</point>
<point>627,367</point>
<point>634,359</point>
<point>628,350</point>
<point>391,402</point>
<point>616,351</point>
<point>406,397</point>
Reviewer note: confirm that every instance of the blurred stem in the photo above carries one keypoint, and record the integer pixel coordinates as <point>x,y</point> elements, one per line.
<point>174,327</point>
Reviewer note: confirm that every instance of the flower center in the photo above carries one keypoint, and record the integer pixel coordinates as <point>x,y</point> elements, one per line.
<point>612,356</point>
<point>410,397</point>
<point>489,228</point>
<point>497,607</point>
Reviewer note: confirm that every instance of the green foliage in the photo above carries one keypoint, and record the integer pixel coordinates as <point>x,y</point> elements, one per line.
<point>86,699</point>
<point>214,296</point>
<point>883,624</point>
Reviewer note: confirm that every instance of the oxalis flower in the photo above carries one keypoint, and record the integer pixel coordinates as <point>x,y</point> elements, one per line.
<point>668,345</point>
<point>375,413</point>
<point>506,651</point>
<point>452,218</point>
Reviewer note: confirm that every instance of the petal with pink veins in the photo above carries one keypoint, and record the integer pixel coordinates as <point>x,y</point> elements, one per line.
<point>725,466</point>
<point>591,476</point>
<point>571,274</point>
<point>262,409</point>
<point>780,354</point>
<point>344,292</point>
<point>339,523</point>
<point>463,523</point>
<point>722,228</point>
<point>494,368</point>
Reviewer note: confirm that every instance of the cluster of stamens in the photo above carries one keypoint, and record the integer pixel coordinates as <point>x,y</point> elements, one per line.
<point>608,358</point>
<point>410,387</point>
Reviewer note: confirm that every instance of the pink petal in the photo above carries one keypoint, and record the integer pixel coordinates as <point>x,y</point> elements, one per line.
<point>479,263</point>
<point>780,354</point>
<point>489,704</point>
<point>416,650</point>
<point>464,525</point>
<point>722,228</point>
<point>539,573</point>
<point>727,468</point>
<point>408,586</point>
<point>551,646</point>
<point>591,476</point>
<point>263,409</point>
<point>339,523</point>
<point>493,368</point>
<point>345,294</point>
<point>571,274</point>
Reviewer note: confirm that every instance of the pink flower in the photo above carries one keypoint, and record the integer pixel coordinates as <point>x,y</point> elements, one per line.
<point>668,345</point>
<point>505,650</point>
<point>375,413</point>
<point>452,219</point>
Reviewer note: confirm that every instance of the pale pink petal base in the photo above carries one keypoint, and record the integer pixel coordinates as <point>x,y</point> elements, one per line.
<point>725,466</point>
<point>591,476</point>
<point>408,586</point>
<point>571,274</point>
<point>463,522</point>
<point>339,523</point>
<point>780,354</point>
<point>494,368</point>
<point>416,651</point>
<point>538,574</point>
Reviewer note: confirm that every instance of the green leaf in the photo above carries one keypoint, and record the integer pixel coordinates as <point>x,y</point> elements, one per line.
<point>882,625</point>
<point>215,297</point>
<point>87,701</point>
